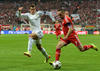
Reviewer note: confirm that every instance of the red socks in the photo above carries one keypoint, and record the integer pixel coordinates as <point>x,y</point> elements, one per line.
<point>58,51</point>
<point>86,47</point>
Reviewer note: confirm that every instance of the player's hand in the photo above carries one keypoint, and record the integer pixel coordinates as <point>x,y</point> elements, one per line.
<point>20,8</point>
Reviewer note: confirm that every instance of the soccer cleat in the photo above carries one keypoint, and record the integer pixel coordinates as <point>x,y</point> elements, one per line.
<point>94,47</point>
<point>27,54</point>
<point>46,60</point>
<point>51,63</point>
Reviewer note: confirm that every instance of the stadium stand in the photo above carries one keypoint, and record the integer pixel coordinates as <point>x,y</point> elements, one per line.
<point>87,10</point>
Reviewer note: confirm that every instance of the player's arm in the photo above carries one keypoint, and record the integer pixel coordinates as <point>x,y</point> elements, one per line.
<point>69,31</point>
<point>41,13</point>
<point>50,15</point>
<point>21,15</point>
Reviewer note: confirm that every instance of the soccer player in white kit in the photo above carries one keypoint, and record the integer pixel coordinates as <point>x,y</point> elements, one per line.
<point>34,20</point>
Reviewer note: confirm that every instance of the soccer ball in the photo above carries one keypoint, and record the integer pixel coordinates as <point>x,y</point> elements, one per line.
<point>57,65</point>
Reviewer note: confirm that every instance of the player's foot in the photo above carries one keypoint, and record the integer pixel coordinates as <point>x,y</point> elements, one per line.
<point>46,60</point>
<point>51,63</point>
<point>27,54</point>
<point>94,47</point>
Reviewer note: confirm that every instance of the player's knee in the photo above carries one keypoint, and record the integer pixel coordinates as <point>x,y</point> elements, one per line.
<point>39,46</point>
<point>33,36</point>
<point>58,46</point>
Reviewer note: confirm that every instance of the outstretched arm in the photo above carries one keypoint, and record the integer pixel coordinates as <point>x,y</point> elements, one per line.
<point>50,15</point>
<point>21,15</point>
<point>41,13</point>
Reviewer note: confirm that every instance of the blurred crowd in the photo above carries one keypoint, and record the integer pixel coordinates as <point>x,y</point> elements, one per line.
<point>87,10</point>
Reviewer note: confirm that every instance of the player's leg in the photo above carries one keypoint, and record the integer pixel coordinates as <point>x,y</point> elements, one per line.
<point>78,44</point>
<point>32,39</point>
<point>60,44</point>
<point>92,46</point>
<point>38,44</point>
<point>42,50</point>
<point>30,43</point>
<point>58,49</point>
<point>34,36</point>
<point>58,34</point>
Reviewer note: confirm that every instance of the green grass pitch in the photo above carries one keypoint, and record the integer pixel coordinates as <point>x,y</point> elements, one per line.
<point>12,58</point>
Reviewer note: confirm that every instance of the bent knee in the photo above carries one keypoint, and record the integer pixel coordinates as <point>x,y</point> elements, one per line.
<point>39,46</point>
<point>58,46</point>
<point>33,36</point>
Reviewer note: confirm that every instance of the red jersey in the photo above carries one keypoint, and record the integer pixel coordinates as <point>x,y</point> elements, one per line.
<point>72,38</point>
<point>65,25</point>
<point>57,29</point>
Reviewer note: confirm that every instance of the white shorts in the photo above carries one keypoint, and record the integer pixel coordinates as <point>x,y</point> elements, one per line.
<point>39,34</point>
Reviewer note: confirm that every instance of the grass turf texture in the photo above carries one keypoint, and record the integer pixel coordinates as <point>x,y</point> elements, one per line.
<point>13,46</point>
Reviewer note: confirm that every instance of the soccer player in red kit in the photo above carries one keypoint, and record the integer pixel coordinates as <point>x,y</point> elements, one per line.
<point>70,36</point>
<point>57,27</point>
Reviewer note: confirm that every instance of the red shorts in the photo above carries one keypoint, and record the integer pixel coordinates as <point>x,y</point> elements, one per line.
<point>73,38</point>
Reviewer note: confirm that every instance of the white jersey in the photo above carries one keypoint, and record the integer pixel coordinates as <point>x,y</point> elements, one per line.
<point>34,19</point>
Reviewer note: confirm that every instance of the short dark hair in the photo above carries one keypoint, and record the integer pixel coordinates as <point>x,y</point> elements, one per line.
<point>62,11</point>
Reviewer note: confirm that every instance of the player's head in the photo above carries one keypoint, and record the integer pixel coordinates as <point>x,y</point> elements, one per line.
<point>57,22</point>
<point>32,9</point>
<point>66,13</point>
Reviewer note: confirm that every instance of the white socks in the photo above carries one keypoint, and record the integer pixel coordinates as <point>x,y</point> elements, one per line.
<point>30,42</point>
<point>44,52</point>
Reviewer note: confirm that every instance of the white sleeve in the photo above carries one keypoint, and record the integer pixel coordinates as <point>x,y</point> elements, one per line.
<point>50,15</point>
<point>22,15</point>
<point>40,13</point>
